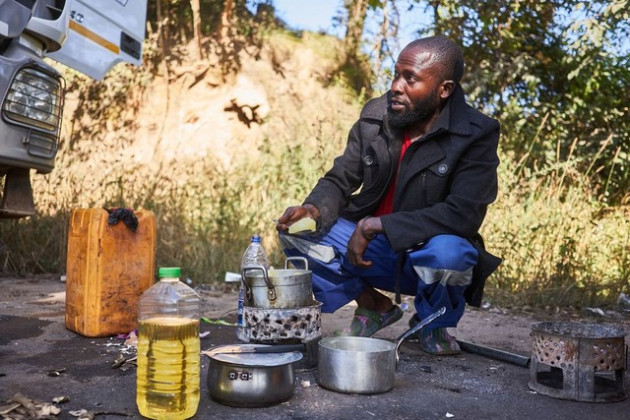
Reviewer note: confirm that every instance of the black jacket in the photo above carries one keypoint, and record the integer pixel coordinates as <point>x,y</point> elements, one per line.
<point>445,181</point>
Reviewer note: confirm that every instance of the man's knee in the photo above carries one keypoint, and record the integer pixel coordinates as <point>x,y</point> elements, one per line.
<point>448,252</point>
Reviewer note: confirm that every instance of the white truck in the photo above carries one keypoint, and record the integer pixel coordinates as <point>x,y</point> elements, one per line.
<point>90,36</point>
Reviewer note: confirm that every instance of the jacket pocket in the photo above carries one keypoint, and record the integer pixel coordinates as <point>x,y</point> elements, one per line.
<point>435,182</point>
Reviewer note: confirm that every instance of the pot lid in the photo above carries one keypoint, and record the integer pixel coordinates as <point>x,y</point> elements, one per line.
<point>248,356</point>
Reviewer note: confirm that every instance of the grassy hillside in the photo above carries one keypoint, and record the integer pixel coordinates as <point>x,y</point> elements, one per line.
<point>215,155</point>
<point>217,149</point>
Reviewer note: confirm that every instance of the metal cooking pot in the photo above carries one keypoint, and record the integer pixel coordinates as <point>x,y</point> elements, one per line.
<point>250,377</point>
<point>288,288</point>
<point>361,365</point>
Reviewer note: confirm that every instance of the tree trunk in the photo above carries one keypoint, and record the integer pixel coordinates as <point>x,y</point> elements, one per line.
<point>195,6</point>
<point>227,20</point>
<point>162,24</point>
<point>357,11</point>
<point>436,14</point>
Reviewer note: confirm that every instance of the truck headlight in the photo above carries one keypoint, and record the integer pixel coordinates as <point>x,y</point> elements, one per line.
<point>35,98</point>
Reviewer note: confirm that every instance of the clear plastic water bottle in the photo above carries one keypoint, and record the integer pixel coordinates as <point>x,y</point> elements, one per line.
<point>254,255</point>
<point>169,350</point>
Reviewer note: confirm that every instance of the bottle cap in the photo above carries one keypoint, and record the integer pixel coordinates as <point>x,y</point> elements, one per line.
<point>169,272</point>
<point>256,238</point>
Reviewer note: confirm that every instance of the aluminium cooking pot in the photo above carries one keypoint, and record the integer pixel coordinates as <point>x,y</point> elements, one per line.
<point>249,378</point>
<point>278,289</point>
<point>361,365</point>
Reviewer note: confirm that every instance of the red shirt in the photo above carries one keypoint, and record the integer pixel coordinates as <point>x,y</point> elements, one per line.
<point>387,204</point>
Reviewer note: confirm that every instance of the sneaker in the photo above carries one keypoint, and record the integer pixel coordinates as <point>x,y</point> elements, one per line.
<point>366,323</point>
<point>437,341</point>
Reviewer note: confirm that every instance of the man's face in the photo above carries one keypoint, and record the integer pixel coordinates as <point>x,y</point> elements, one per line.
<point>415,89</point>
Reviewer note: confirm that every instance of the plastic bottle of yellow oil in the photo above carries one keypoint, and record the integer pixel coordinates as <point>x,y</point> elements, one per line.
<point>169,349</point>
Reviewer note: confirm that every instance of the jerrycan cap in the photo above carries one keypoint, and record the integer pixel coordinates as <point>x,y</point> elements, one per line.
<point>165,272</point>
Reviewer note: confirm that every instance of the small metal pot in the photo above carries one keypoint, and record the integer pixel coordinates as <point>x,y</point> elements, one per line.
<point>361,365</point>
<point>278,289</point>
<point>251,379</point>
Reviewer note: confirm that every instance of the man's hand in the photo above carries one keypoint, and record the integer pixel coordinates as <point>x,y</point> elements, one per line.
<point>366,230</point>
<point>295,213</point>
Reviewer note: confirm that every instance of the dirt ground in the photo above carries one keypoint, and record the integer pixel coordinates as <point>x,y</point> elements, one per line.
<point>43,361</point>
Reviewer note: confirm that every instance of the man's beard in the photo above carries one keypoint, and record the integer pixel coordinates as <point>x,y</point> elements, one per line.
<point>421,111</point>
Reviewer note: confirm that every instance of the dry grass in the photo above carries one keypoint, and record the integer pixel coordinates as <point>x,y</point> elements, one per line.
<point>560,245</point>
<point>206,207</point>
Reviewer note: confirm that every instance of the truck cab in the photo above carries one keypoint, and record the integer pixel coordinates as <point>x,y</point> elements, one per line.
<point>88,36</point>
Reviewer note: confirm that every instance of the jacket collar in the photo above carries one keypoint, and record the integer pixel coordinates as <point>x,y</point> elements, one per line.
<point>453,118</point>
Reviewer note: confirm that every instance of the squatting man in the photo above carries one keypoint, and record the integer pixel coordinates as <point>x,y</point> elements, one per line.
<point>400,210</point>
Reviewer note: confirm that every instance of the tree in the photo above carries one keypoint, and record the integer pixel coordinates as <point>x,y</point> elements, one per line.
<point>557,76</point>
<point>196,7</point>
<point>227,20</point>
<point>356,10</point>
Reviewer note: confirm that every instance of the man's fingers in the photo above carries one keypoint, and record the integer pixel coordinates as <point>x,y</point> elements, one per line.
<point>364,264</point>
<point>290,216</point>
<point>356,248</point>
<point>286,216</point>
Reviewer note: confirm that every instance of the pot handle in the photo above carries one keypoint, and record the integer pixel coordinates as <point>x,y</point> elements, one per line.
<point>293,259</point>
<point>417,328</point>
<point>271,290</point>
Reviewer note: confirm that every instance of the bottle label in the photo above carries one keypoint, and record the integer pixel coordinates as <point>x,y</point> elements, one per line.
<point>241,298</point>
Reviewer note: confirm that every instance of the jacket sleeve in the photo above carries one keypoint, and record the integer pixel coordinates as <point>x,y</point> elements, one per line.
<point>333,190</point>
<point>472,187</point>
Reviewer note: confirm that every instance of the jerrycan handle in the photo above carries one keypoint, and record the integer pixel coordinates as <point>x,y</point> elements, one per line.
<point>271,290</point>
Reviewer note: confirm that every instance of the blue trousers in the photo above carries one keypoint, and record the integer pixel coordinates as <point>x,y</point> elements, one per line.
<point>437,273</point>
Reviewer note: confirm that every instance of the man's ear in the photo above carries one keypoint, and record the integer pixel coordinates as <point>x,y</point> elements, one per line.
<point>447,88</point>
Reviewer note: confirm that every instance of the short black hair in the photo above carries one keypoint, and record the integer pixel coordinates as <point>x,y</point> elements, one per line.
<point>445,52</point>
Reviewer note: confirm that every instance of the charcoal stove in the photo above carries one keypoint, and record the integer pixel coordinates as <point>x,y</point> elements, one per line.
<point>580,362</point>
<point>279,308</point>
<point>285,326</point>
